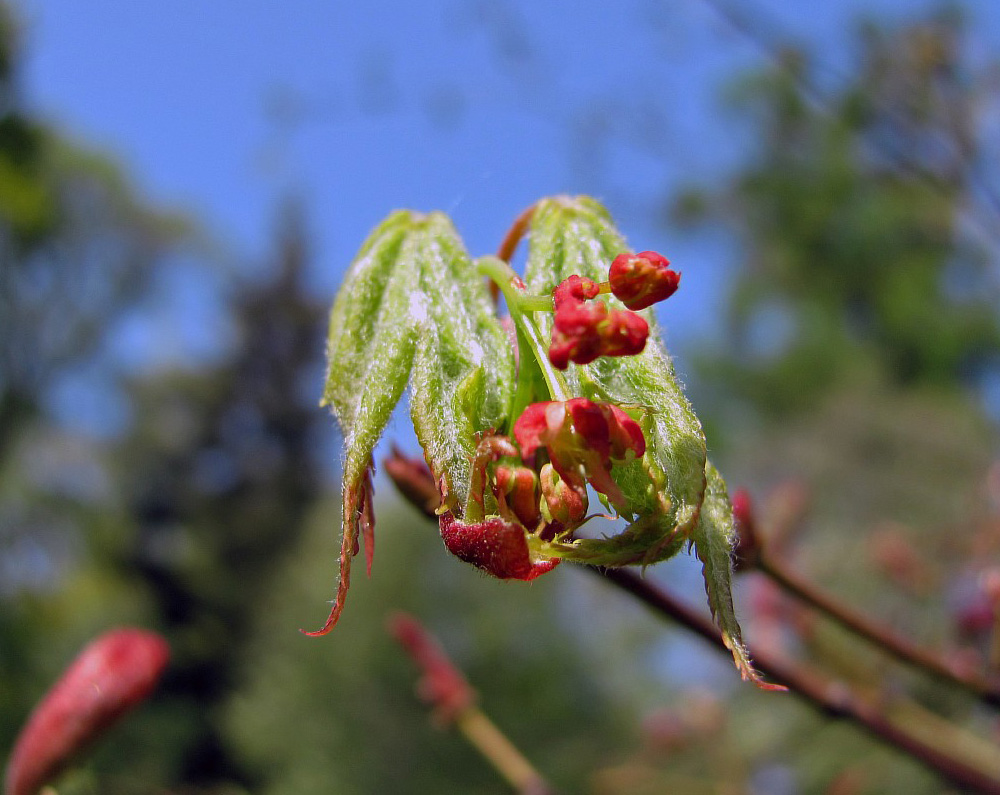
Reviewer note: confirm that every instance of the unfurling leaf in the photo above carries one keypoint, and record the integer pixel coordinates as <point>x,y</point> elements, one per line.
<point>412,306</point>
<point>714,538</point>
<point>511,449</point>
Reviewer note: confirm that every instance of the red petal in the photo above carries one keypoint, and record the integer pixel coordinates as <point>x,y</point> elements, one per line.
<point>625,434</point>
<point>530,427</point>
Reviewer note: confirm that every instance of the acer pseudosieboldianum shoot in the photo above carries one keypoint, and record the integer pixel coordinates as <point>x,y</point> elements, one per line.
<point>518,416</point>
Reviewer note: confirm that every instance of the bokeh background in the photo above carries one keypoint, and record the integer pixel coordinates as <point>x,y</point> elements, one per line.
<point>181,190</point>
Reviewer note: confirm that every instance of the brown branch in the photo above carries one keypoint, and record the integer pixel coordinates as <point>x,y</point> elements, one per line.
<point>904,650</point>
<point>834,699</point>
<point>753,552</point>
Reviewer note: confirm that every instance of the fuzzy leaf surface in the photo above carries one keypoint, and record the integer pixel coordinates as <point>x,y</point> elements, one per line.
<point>412,309</point>
<point>576,236</point>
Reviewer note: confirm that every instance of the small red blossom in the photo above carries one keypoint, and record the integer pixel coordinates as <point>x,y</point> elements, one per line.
<point>585,329</point>
<point>582,439</point>
<point>641,280</point>
<point>566,501</point>
<point>111,676</point>
<point>494,545</point>
<point>442,685</point>
<point>516,490</point>
<point>573,290</point>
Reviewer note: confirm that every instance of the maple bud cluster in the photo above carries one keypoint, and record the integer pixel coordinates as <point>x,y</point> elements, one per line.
<point>584,328</point>
<point>541,490</point>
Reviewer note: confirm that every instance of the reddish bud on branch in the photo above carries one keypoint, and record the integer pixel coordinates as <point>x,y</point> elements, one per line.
<point>747,538</point>
<point>441,685</point>
<point>585,329</point>
<point>113,674</point>
<point>643,279</point>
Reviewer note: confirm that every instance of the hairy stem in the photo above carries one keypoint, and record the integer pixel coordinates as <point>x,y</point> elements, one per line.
<point>519,303</point>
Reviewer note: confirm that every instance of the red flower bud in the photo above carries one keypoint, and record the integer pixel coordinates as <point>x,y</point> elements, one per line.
<point>566,502</point>
<point>582,438</point>
<point>110,676</point>
<point>517,492</point>
<point>584,330</point>
<point>574,290</point>
<point>640,280</point>
<point>442,684</point>
<point>494,545</point>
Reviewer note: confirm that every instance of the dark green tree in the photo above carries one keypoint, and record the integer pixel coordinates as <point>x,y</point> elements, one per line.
<point>867,228</point>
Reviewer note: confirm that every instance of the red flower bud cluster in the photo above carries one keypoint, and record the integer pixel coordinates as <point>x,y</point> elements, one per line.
<point>544,499</point>
<point>584,329</point>
<point>582,439</point>
<point>641,280</point>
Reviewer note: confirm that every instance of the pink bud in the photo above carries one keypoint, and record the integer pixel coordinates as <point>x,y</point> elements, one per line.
<point>641,280</point>
<point>567,502</point>
<point>442,684</point>
<point>517,491</point>
<point>112,675</point>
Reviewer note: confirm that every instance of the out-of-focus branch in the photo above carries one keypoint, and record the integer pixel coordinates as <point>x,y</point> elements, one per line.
<point>835,699</point>
<point>444,687</point>
<point>753,553</point>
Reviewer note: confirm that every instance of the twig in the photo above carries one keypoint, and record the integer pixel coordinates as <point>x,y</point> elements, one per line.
<point>834,699</point>
<point>517,229</point>
<point>753,553</point>
<point>904,650</point>
<point>443,686</point>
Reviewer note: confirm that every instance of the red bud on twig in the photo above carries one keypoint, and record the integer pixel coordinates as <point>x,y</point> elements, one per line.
<point>112,675</point>
<point>441,685</point>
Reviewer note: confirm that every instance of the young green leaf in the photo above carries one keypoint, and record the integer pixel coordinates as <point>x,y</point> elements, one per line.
<point>666,488</point>
<point>411,304</point>
<point>714,537</point>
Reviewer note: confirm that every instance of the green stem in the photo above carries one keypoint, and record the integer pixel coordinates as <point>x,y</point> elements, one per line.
<point>519,303</point>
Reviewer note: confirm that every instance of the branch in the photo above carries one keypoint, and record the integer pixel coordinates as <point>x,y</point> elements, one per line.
<point>753,553</point>
<point>444,687</point>
<point>833,698</point>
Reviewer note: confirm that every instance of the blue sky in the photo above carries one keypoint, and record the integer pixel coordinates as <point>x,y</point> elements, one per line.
<point>476,107</point>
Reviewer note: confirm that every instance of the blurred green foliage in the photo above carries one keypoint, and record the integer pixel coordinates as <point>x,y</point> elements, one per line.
<point>858,223</point>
